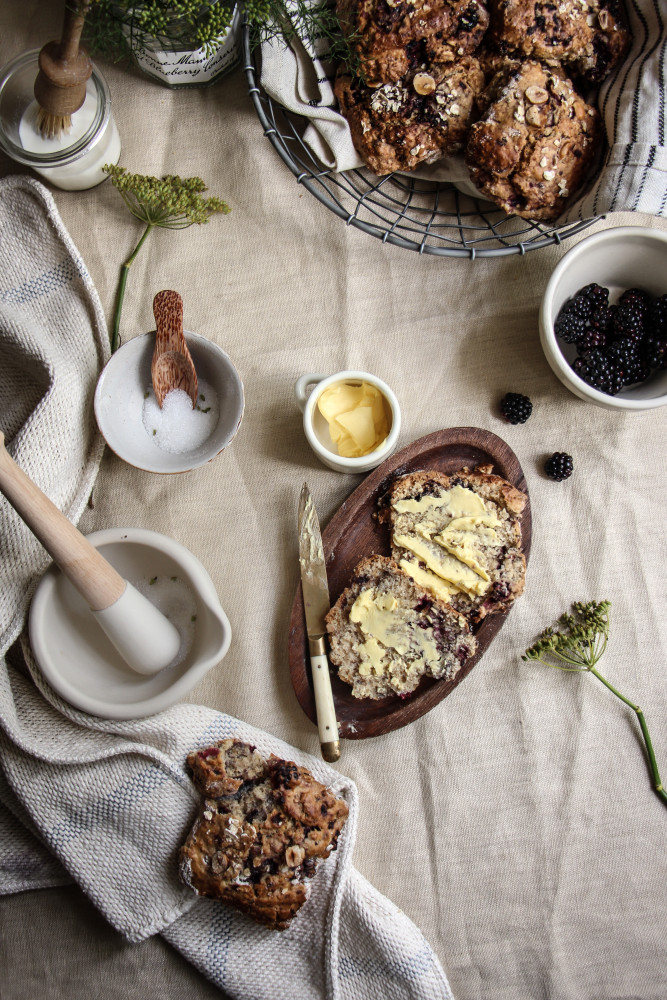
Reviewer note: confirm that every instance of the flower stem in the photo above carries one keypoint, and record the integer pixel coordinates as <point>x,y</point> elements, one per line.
<point>120,295</point>
<point>657,783</point>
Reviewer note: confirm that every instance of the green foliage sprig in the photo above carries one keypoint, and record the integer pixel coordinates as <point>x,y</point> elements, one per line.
<point>577,645</point>
<point>114,28</point>
<point>169,202</point>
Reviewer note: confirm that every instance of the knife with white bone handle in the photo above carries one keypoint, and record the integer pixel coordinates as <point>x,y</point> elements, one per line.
<point>316,604</point>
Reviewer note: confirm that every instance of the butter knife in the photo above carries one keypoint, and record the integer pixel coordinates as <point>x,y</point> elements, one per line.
<point>316,604</point>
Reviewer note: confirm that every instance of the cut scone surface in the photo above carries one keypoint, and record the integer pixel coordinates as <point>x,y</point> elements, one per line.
<point>460,537</point>
<point>262,829</point>
<point>386,632</point>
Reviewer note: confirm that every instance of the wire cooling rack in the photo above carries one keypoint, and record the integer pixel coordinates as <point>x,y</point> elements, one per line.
<point>429,217</point>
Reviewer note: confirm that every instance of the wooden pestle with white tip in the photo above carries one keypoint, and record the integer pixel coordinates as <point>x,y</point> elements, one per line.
<point>145,639</point>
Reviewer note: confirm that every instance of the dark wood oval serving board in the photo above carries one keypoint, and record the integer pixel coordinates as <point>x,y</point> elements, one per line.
<point>354,533</point>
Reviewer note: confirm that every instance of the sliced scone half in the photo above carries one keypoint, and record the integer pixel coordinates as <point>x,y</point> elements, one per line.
<point>460,537</point>
<point>386,632</point>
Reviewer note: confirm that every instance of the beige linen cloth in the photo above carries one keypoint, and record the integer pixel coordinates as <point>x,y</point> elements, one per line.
<point>632,176</point>
<point>113,801</point>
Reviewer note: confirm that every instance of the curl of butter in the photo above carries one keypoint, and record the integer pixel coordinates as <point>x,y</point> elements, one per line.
<point>358,417</point>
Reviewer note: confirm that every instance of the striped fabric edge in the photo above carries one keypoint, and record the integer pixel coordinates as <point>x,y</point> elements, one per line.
<point>633,105</point>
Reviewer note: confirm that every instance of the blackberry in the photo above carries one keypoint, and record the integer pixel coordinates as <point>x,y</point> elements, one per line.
<point>569,327</point>
<point>656,323</point>
<point>593,339</point>
<point>596,370</point>
<point>596,295</point>
<point>631,314</point>
<point>654,351</point>
<point>559,466</point>
<point>626,361</point>
<point>516,408</point>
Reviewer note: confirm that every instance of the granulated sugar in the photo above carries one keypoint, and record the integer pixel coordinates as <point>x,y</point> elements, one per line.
<point>177,427</point>
<point>175,600</point>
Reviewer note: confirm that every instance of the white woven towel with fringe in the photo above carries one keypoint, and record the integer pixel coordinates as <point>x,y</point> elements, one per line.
<point>81,798</point>
<point>632,102</point>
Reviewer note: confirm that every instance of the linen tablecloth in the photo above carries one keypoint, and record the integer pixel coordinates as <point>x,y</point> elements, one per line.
<point>514,824</point>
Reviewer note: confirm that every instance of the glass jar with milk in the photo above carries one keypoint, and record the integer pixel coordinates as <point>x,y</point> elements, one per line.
<point>73,161</point>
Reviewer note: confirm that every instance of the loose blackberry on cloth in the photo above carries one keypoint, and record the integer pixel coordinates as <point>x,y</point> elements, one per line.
<point>631,102</point>
<point>105,804</point>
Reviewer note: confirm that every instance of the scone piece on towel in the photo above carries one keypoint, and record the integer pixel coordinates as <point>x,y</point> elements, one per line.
<point>262,829</point>
<point>536,143</point>
<point>392,39</point>
<point>386,632</point>
<point>460,537</point>
<point>587,37</point>
<point>424,117</point>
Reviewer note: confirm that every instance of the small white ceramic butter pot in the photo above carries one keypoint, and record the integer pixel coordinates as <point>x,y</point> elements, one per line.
<point>309,388</point>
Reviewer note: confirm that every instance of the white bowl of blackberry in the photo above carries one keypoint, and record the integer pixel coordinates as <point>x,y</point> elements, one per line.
<point>603,318</point>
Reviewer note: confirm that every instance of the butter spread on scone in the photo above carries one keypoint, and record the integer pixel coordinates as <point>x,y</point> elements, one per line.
<point>386,632</point>
<point>460,537</point>
<point>262,829</point>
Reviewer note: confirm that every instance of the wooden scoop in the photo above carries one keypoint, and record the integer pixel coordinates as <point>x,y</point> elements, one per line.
<point>171,367</point>
<point>145,639</point>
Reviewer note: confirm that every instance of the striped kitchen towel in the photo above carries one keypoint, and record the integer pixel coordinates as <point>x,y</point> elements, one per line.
<point>632,102</point>
<point>106,804</point>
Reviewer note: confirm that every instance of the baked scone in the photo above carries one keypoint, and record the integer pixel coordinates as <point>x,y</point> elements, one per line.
<point>587,37</point>
<point>460,537</point>
<point>419,120</point>
<point>261,831</point>
<point>392,37</point>
<point>386,632</point>
<point>536,143</point>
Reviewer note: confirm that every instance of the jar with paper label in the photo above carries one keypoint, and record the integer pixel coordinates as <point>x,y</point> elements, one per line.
<point>72,161</point>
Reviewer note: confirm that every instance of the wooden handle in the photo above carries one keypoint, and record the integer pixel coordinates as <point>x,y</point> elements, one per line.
<point>168,312</point>
<point>96,580</point>
<point>72,28</point>
<point>172,366</point>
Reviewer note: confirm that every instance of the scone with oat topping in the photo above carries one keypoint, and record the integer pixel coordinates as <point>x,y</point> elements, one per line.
<point>392,37</point>
<point>262,829</point>
<point>587,37</point>
<point>419,120</point>
<point>535,144</point>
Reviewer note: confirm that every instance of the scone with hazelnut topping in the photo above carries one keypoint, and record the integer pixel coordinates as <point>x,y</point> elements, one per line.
<point>392,37</point>
<point>587,37</point>
<point>262,830</point>
<point>422,118</point>
<point>535,144</point>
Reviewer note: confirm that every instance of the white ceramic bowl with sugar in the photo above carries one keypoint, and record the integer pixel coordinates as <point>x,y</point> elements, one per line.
<point>618,259</point>
<point>121,394</point>
<point>309,388</point>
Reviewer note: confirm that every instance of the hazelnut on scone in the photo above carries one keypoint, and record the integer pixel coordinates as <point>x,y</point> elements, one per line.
<point>536,143</point>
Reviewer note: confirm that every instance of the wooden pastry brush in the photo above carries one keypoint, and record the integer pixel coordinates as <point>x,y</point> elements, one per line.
<point>64,68</point>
